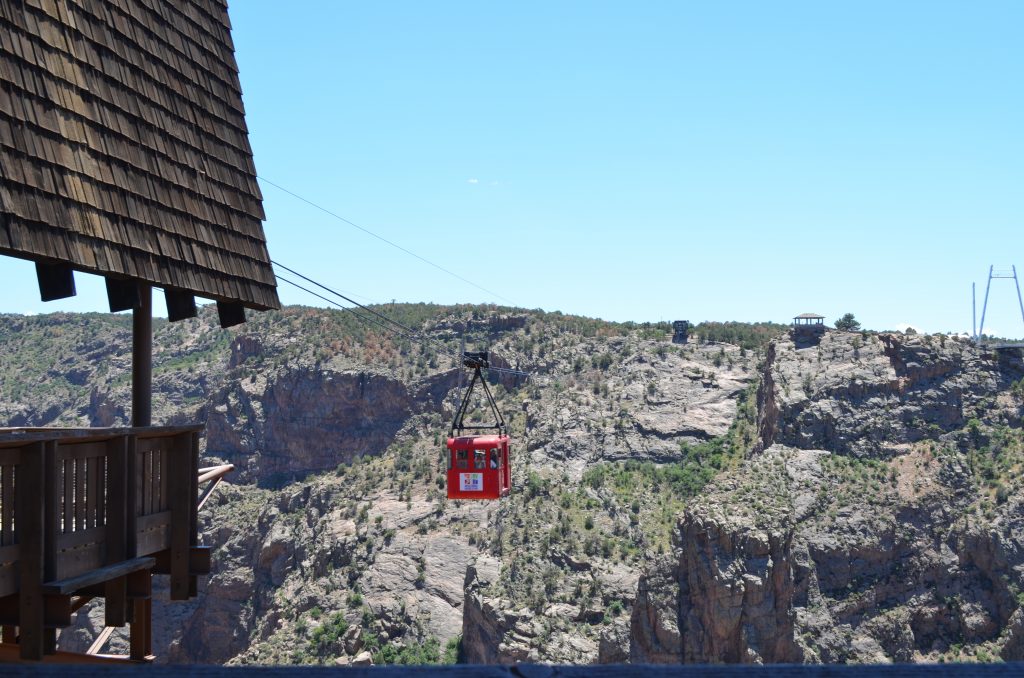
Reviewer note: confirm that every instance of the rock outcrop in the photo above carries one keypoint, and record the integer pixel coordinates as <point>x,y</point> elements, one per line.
<point>879,519</point>
<point>871,394</point>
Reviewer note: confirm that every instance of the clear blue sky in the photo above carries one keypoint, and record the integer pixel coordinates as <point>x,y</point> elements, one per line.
<point>641,160</point>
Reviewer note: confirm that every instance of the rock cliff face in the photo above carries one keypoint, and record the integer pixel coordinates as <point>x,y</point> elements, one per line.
<point>304,421</point>
<point>858,499</point>
<point>642,410</point>
<point>879,518</point>
<point>871,395</point>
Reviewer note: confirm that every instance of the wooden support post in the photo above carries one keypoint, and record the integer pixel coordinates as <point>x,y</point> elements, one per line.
<point>115,605</point>
<point>193,493</point>
<point>30,520</point>
<point>140,590</point>
<point>142,358</point>
<point>58,615</point>
<point>182,504</point>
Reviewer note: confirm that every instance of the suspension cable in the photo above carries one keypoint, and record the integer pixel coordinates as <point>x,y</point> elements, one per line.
<point>383,239</point>
<point>381,320</point>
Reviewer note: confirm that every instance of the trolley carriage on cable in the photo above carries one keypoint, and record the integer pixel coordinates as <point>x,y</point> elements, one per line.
<point>478,465</point>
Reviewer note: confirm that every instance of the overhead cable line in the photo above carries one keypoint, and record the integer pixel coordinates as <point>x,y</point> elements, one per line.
<point>408,331</point>
<point>381,320</point>
<point>361,317</point>
<point>384,240</point>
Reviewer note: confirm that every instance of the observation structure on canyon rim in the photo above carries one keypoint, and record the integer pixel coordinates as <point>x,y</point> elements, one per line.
<point>124,153</point>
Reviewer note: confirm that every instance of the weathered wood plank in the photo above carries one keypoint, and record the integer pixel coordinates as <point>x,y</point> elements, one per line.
<point>18,437</point>
<point>74,540</point>
<point>81,450</point>
<point>98,576</point>
<point>151,541</point>
<point>153,521</point>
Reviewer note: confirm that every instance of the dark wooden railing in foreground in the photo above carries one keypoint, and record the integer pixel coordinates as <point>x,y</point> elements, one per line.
<point>87,513</point>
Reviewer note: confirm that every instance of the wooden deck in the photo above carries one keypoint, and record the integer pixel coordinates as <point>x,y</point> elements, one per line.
<point>94,513</point>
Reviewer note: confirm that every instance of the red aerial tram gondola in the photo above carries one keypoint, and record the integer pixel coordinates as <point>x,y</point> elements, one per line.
<point>478,465</point>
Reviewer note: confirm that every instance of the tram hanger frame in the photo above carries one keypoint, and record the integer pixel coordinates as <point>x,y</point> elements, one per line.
<point>477,360</point>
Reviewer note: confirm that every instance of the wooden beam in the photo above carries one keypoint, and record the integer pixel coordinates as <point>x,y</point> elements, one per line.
<point>100,641</point>
<point>230,313</point>
<point>56,281</point>
<point>200,560</point>
<point>98,576</point>
<point>181,305</point>
<point>122,294</point>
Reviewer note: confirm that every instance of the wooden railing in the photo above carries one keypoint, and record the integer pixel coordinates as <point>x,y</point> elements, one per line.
<point>93,513</point>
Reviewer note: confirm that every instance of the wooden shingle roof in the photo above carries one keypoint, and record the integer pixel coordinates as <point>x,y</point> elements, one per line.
<point>124,149</point>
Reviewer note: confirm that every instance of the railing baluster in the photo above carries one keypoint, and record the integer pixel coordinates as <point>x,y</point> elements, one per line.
<point>92,492</point>
<point>79,494</point>
<point>169,462</point>
<point>68,469</point>
<point>148,500</point>
<point>102,501</point>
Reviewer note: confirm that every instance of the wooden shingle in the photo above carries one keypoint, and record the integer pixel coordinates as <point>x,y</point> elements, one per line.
<point>124,149</point>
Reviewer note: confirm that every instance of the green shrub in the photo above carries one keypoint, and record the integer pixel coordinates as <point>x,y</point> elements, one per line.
<point>327,635</point>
